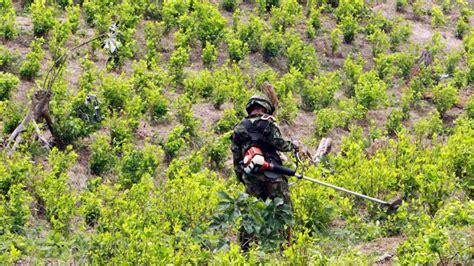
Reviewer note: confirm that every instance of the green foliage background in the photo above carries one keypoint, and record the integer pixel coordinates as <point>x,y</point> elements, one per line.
<point>152,182</point>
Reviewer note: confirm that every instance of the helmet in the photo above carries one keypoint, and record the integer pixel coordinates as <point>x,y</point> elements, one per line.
<point>261,100</point>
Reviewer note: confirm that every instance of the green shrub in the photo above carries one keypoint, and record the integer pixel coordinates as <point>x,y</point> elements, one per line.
<point>201,84</point>
<point>8,27</point>
<point>352,69</point>
<point>320,93</point>
<point>172,10</point>
<point>428,126</point>
<point>237,49</point>
<point>354,8</point>
<point>462,27</point>
<point>11,116</point>
<point>157,104</point>
<point>209,23</point>
<point>326,119</point>
<point>43,17</point>
<point>336,39</point>
<point>288,108</point>
<point>120,132</point>
<point>370,91</point>
<point>229,5</point>
<point>252,33</point>
<point>218,151</point>
<point>179,58</point>
<point>8,58</point>
<point>285,15</point>
<point>267,5</point>
<point>115,91</point>
<point>227,122</point>
<point>154,32</point>
<point>73,17</point>
<point>209,54</point>
<point>470,107</point>
<point>176,141</point>
<point>380,42</point>
<point>137,163</point>
<point>8,82</point>
<point>444,97</point>
<point>31,66</point>
<point>17,209</point>
<point>401,5</point>
<point>54,191</point>
<point>272,44</point>
<point>438,18</point>
<point>349,27</point>
<point>401,32</point>
<point>394,122</point>
<point>186,117</point>
<point>102,156</point>
<point>302,57</point>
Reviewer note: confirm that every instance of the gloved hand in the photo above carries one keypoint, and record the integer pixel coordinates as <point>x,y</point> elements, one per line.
<point>296,145</point>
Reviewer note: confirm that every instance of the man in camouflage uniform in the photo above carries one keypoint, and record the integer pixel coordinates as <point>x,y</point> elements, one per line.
<point>259,129</point>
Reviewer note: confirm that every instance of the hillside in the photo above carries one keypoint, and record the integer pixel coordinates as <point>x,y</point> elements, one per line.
<point>135,165</point>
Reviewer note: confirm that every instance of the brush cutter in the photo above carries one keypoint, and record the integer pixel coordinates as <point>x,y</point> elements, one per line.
<point>254,162</point>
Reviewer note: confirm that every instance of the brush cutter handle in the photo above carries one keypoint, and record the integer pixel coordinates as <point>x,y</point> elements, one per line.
<point>281,170</point>
<point>343,190</point>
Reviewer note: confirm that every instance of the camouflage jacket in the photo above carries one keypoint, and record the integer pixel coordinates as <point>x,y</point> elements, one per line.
<point>269,139</point>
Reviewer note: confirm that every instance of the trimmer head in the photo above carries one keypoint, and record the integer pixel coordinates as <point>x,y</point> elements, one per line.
<point>394,205</point>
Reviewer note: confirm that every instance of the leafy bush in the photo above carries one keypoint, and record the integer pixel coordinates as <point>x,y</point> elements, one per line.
<point>349,26</point>
<point>470,107</point>
<point>462,27</point>
<point>320,93</point>
<point>54,191</point>
<point>352,69</point>
<point>444,97</point>
<point>209,23</point>
<point>237,49</point>
<point>73,14</point>
<point>265,220</point>
<point>102,157</point>
<point>227,122</point>
<point>31,66</point>
<point>438,18</point>
<point>11,115</point>
<point>209,54</point>
<point>272,44</point>
<point>380,42</point>
<point>8,82</point>
<point>157,104</point>
<point>8,58</point>
<point>176,140</point>
<point>200,84</point>
<point>154,32</point>
<point>252,33</point>
<point>267,5</point>
<point>302,57</point>
<point>401,5</point>
<point>285,15</point>
<point>43,17</point>
<point>115,92</point>
<point>8,27</point>
<point>120,131</point>
<point>394,122</point>
<point>137,163</point>
<point>288,108</point>
<point>218,151</point>
<point>326,119</point>
<point>370,91</point>
<point>400,32</point>
<point>179,58</point>
<point>336,39</point>
<point>229,5</point>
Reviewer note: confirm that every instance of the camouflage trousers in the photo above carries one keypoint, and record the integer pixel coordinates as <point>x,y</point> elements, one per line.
<point>264,188</point>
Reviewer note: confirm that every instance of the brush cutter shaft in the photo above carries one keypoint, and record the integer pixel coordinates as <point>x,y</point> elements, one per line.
<point>342,189</point>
